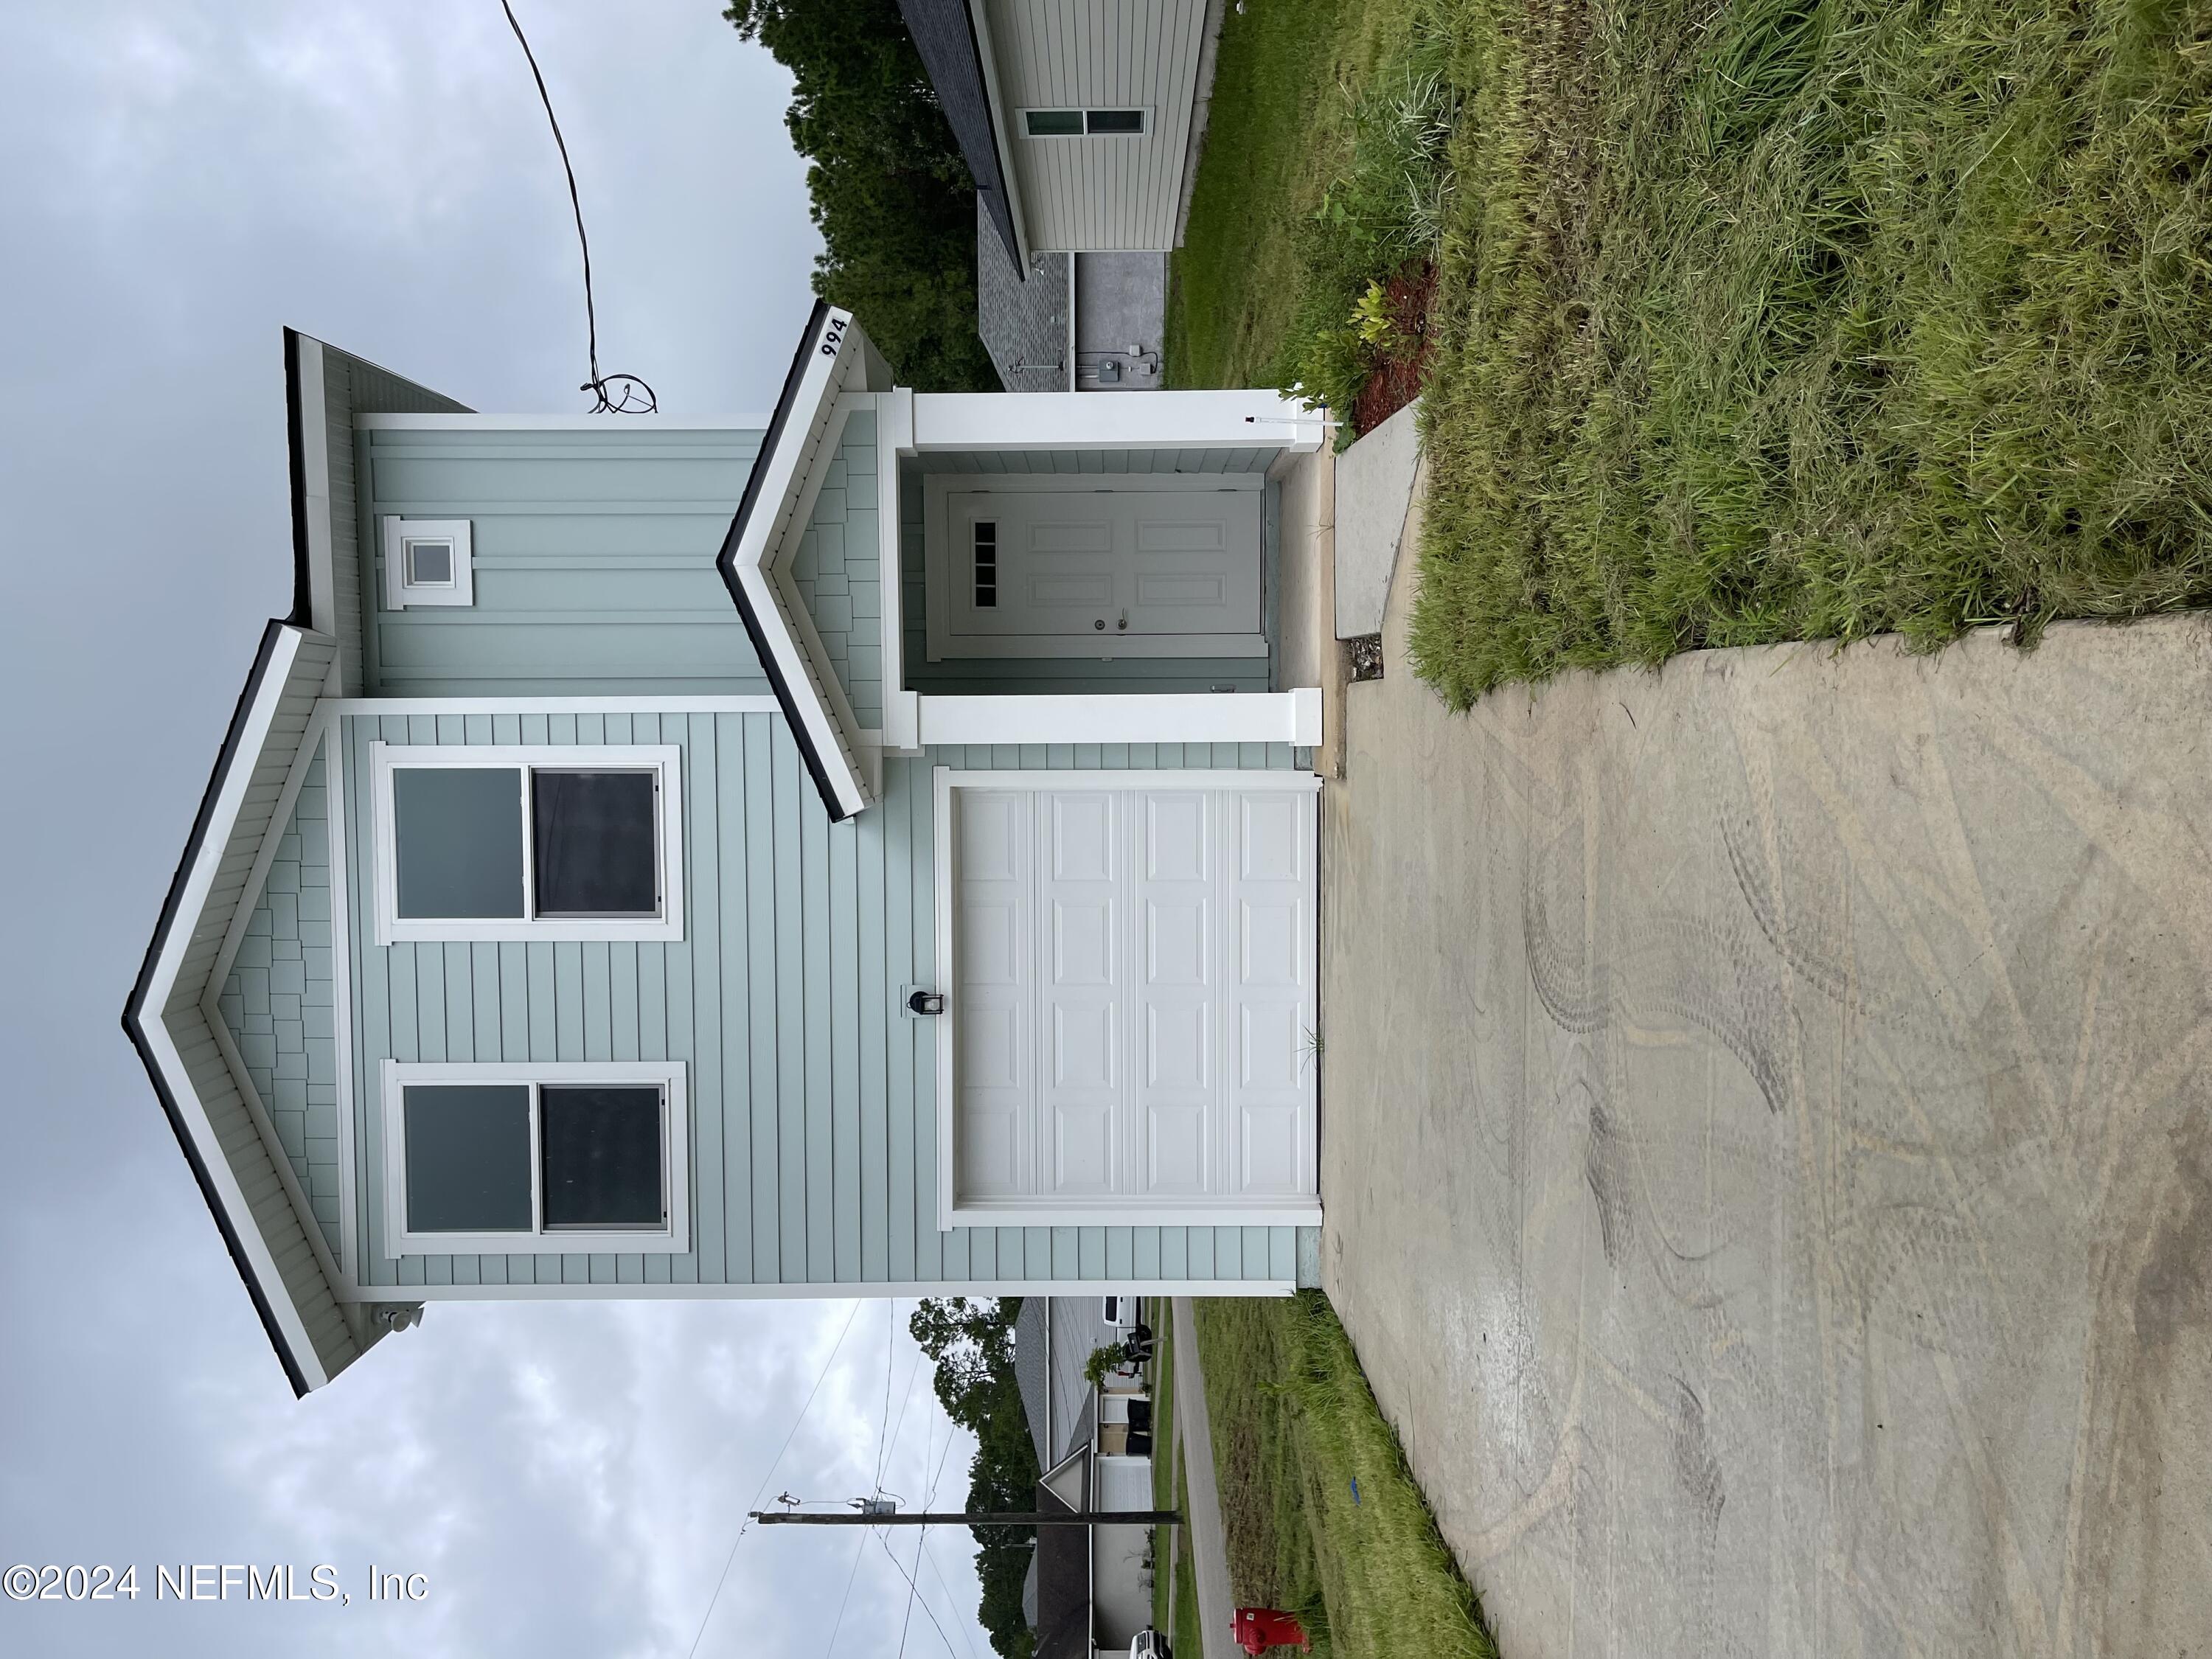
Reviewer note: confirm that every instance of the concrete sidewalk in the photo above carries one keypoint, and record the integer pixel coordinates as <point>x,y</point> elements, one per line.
<point>1209,1543</point>
<point>1769,1162</point>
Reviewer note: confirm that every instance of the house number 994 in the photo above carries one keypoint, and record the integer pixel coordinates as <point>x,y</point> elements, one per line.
<point>833,336</point>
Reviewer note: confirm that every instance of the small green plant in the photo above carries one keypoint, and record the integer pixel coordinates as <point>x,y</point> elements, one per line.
<point>1102,1361</point>
<point>1371,317</point>
<point>1380,219</point>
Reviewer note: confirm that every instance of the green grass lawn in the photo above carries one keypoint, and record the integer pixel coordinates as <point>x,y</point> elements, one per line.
<point>1274,129</point>
<point>1164,1473</point>
<point>1186,1637</point>
<point>1757,319</point>
<point>1295,1427</point>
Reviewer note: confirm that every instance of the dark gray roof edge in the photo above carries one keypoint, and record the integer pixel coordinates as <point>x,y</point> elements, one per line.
<point>726,562</point>
<point>134,1007</point>
<point>944,34</point>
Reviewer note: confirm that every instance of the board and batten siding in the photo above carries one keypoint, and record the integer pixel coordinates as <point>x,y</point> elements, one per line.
<point>837,569</point>
<point>813,1107</point>
<point>1098,194</point>
<point>594,561</point>
<point>278,1005</point>
<point>1073,675</point>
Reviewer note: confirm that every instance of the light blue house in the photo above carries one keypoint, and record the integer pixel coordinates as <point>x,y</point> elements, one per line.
<point>862,849</point>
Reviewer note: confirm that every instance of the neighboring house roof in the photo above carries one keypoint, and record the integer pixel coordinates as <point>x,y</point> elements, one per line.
<point>1063,1585</point>
<point>1030,1375</point>
<point>945,33</point>
<point>834,356</point>
<point>1078,1329</point>
<point>171,1017</point>
<point>1024,324</point>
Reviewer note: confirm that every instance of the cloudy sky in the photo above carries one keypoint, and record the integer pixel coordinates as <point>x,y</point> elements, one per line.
<point>182,180</point>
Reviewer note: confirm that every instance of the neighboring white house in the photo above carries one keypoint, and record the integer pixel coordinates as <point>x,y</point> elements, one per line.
<point>862,848</point>
<point>1090,1591</point>
<point>1081,124</point>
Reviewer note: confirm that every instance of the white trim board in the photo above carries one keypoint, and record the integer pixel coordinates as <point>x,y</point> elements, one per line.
<point>161,983</point>
<point>1042,1210</point>
<point>1125,420</point>
<point>673,1238</point>
<point>664,705</point>
<point>1288,717</point>
<point>664,760</point>
<point>662,422</point>
<point>835,1290</point>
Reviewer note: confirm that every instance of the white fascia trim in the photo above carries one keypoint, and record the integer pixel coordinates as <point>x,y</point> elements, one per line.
<point>894,437</point>
<point>1288,717</point>
<point>1002,136</point>
<point>847,1290</point>
<point>665,760</point>
<point>162,982</point>
<point>1125,420</point>
<point>274,1291</point>
<point>315,487</point>
<point>659,422</point>
<point>788,480</point>
<point>224,818</point>
<point>776,621</point>
<point>1213,1211</point>
<point>675,705</point>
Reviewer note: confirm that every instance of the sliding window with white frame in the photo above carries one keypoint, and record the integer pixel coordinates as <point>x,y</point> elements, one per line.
<point>535,1158</point>
<point>528,843</point>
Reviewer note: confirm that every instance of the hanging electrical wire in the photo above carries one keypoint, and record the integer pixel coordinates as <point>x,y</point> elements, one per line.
<point>913,1586</point>
<point>631,396</point>
<point>851,1314</point>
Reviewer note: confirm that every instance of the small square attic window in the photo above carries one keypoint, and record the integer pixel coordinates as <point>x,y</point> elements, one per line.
<point>427,561</point>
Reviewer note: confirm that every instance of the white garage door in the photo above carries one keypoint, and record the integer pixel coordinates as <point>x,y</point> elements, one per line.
<point>1133,977</point>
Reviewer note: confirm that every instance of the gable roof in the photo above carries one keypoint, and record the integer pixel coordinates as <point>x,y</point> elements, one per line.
<point>272,1237</point>
<point>834,356</point>
<point>945,33</point>
<point>170,1016</point>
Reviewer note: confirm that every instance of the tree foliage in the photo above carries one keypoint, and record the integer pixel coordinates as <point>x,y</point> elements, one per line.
<point>893,196</point>
<point>971,1340</point>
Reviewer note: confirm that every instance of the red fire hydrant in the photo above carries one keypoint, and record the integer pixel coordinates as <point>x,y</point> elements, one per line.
<point>1258,1629</point>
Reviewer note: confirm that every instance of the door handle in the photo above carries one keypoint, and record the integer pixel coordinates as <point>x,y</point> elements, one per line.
<point>1124,624</point>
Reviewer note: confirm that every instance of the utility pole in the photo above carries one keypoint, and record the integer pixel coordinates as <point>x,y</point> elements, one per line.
<point>957,1518</point>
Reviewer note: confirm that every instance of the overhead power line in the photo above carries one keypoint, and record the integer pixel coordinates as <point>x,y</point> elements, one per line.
<point>633,395</point>
<point>762,1490</point>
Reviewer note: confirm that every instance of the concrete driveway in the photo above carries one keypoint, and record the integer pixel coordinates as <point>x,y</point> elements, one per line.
<point>1767,1147</point>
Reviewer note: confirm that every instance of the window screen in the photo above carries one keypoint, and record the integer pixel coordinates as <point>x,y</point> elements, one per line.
<point>468,1159</point>
<point>602,1157</point>
<point>1116,120</point>
<point>459,838</point>
<point>596,839</point>
<point>1054,123</point>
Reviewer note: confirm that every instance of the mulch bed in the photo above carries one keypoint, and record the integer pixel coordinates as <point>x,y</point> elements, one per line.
<point>1397,378</point>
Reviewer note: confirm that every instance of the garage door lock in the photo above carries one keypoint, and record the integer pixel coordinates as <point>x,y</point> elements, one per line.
<point>918,1002</point>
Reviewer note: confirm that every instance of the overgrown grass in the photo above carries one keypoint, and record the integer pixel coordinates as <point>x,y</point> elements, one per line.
<point>1187,1635</point>
<point>1758,319</point>
<point>1811,318</point>
<point>1294,1427</point>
